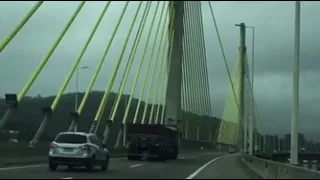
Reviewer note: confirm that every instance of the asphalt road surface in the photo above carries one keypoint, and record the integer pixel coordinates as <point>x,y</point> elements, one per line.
<point>187,166</point>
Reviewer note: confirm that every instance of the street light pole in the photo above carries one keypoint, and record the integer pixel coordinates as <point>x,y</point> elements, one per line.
<point>77,92</point>
<point>251,143</point>
<point>242,51</point>
<point>295,106</point>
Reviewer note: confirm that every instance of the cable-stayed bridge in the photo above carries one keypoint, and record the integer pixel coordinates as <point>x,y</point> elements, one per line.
<point>162,62</point>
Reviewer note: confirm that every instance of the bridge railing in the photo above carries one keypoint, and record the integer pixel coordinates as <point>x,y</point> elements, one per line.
<point>309,160</point>
<point>269,169</point>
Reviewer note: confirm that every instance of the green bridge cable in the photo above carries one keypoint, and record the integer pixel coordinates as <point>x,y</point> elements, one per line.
<point>183,88</point>
<point>197,83</point>
<point>170,38</point>
<point>155,66</point>
<point>166,66</point>
<point>186,58</point>
<point>48,55</point>
<point>201,61</point>
<point>130,62</point>
<point>93,80</point>
<point>205,63</point>
<point>149,65</point>
<point>158,81</point>
<point>225,62</point>
<point>185,74</point>
<point>115,71</point>
<point>20,26</point>
<point>161,71</point>
<point>208,124</point>
<point>169,61</point>
<point>75,66</point>
<point>184,93</point>
<point>162,75</point>
<point>140,66</point>
<point>255,113</point>
<point>37,72</point>
<point>134,48</point>
<point>195,48</point>
<point>224,57</point>
<point>190,60</point>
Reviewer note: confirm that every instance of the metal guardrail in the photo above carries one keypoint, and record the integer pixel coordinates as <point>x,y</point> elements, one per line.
<point>268,169</point>
<point>310,160</point>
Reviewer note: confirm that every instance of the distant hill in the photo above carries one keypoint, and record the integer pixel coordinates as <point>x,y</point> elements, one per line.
<point>29,116</point>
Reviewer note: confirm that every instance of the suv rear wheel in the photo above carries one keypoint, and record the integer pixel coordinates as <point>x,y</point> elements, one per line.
<point>53,167</point>
<point>105,166</point>
<point>90,165</point>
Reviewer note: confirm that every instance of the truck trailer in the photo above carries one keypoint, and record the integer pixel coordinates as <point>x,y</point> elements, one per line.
<point>153,141</point>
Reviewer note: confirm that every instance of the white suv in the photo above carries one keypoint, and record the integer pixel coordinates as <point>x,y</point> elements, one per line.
<point>78,149</point>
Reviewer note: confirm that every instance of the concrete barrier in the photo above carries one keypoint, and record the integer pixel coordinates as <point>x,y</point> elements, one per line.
<point>274,170</point>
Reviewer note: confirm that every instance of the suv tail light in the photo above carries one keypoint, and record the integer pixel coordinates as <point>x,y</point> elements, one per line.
<point>53,146</point>
<point>87,148</point>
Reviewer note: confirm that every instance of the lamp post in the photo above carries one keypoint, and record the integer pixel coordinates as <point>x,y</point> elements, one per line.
<point>77,92</point>
<point>295,105</point>
<point>77,86</point>
<point>252,98</point>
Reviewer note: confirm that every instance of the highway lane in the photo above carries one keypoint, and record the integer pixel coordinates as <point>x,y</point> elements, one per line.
<point>225,167</point>
<point>121,168</point>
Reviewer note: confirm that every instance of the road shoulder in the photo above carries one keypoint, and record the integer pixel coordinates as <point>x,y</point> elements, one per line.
<point>226,167</point>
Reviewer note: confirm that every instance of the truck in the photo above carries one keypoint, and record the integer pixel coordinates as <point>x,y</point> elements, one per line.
<point>153,141</point>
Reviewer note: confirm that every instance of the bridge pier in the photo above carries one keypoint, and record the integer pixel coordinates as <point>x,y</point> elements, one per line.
<point>106,131</point>
<point>119,138</point>
<point>173,92</point>
<point>12,101</point>
<point>75,118</point>
<point>48,114</point>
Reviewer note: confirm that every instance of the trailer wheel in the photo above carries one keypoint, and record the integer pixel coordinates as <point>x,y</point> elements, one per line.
<point>133,158</point>
<point>175,153</point>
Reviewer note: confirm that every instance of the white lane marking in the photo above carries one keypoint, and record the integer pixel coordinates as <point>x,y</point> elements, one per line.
<point>22,167</point>
<point>191,176</point>
<point>136,165</point>
<point>67,178</point>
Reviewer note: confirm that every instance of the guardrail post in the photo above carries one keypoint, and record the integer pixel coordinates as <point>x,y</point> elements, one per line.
<point>106,131</point>
<point>75,118</point>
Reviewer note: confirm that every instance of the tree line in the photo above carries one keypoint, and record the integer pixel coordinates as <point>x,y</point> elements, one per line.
<point>29,116</point>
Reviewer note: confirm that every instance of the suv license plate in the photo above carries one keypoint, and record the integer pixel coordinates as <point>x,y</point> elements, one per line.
<point>67,149</point>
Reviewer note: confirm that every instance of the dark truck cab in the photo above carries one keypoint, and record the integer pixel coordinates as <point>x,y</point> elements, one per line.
<point>154,141</point>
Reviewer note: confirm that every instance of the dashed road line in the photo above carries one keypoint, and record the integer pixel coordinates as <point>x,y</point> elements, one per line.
<point>136,165</point>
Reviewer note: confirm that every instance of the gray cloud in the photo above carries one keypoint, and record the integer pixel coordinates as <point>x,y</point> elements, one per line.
<point>273,21</point>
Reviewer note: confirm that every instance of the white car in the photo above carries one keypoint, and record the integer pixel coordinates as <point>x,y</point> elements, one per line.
<point>231,150</point>
<point>78,149</point>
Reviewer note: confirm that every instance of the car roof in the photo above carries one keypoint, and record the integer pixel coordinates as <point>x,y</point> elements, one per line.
<point>77,133</point>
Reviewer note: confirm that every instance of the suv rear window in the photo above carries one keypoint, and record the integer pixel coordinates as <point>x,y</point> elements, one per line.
<point>71,138</point>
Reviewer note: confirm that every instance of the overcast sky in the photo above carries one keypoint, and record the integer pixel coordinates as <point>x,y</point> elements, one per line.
<point>273,22</point>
